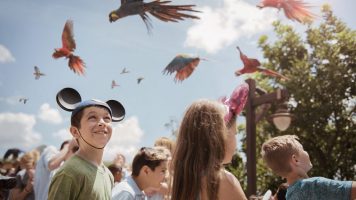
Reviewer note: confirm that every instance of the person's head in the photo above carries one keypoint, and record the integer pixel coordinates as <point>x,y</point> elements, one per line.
<point>116,171</point>
<point>165,142</point>
<point>91,124</point>
<point>28,160</point>
<point>285,155</point>
<point>120,159</point>
<point>200,150</point>
<point>150,166</point>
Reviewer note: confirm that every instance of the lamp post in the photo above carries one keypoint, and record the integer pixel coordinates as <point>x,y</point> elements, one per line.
<point>253,102</point>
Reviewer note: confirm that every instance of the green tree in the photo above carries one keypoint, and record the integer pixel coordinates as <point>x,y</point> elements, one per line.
<point>321,66</point>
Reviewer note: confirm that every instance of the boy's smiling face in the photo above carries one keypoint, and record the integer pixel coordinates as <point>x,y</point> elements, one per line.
<point>95,126</point>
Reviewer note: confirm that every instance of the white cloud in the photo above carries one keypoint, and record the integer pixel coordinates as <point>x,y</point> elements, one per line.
<point>5,55</point>
<point>63,134</point>
<point>49,114</point>
<point>16,130</point>
<point>125,139</point>
<point>222,26</point>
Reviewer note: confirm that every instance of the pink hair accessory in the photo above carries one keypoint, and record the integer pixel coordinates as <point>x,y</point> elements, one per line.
<point>236,102</point>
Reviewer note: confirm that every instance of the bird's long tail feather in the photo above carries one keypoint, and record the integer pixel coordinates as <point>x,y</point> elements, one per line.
<point>169,13</point>
<point>76,64</point>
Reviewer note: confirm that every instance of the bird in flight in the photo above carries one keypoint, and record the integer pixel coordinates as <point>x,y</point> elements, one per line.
<point>293,9</point>
<point>75,63</point>
<point>24,100</point>
<point>183,64</point>
<point>124,71</point>
<point>252,65</point>
<point>139,79</point>
<point>114,84</point>
<point>157,8</point>
<point>37,73</point>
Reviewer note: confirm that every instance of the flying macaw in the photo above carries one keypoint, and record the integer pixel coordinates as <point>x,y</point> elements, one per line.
<point>75,63</point>
<point>236,103</point>
<point>114,84</point>
<point>252,65</point>
<point>293,9</point>
<point>139,79</point>
<point>37,73</point>
<point>124,71</point>
<point>157,8</point>
<point>24,100</point>
<point>183,64</point>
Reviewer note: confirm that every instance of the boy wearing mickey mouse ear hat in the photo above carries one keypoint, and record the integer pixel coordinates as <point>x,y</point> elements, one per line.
<point>84,176</point>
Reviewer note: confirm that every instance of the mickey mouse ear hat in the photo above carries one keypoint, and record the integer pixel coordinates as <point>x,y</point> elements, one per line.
<point>69,99</point>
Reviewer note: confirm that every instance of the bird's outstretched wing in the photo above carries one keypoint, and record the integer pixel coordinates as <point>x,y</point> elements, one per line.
<point>184,65</point>
<point>68,36</point>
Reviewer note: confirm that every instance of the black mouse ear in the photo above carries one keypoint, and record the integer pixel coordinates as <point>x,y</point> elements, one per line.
<point>68,99</point>
<point>118,110</point>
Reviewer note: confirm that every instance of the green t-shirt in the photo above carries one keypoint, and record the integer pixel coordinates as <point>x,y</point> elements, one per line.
<point>80,179</point>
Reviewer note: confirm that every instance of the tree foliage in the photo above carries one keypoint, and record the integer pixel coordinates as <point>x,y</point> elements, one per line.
<point>321,65</point>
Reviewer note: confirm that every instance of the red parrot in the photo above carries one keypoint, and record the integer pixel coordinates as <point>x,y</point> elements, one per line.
<point>251,65</point>
<point>183,64</point>
<point>293,9</point>
<point>114,84</point>
<point>157,8</point>
<point>37,73</point>
<point>75,63</point>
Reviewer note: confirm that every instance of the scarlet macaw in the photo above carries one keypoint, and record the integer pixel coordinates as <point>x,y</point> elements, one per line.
<point>75,63</point>
<point>293,9</point>
<point>251,65</point>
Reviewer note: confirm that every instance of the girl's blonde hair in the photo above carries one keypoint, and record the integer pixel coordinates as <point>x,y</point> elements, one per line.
<point>165,142</point>
<point>200,151</point>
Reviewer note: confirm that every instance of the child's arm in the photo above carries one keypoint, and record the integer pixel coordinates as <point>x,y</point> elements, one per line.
<point>353,191</point>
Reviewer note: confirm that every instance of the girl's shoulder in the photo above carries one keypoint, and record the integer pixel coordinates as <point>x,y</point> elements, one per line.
<point>230,187</point>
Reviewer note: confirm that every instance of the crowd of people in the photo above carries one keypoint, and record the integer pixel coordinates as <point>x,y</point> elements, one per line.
<point>190,168</point>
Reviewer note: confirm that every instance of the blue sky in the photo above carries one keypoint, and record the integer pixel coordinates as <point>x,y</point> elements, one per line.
<point>30,30</point>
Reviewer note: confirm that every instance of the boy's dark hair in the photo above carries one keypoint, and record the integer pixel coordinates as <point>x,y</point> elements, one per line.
<point>75,119</point>
<point>151,157</point>
<point>114,168</point>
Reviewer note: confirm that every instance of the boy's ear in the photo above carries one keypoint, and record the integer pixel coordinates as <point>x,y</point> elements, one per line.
<point>74,131</point>
<point>145,169</point>
<point>294,159</point>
